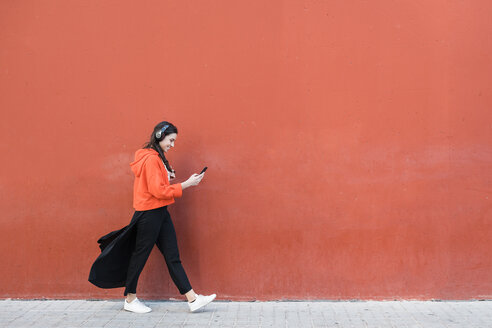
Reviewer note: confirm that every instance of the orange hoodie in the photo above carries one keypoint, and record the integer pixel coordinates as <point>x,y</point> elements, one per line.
<point>151,188</point>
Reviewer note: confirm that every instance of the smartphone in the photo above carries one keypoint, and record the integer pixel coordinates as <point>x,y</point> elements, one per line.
<point>204,169</point>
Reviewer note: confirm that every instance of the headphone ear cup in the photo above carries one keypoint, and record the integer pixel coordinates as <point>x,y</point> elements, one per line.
<point>159,133</point>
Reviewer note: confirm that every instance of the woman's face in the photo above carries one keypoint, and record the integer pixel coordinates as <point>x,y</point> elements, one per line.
<point>168,142</point>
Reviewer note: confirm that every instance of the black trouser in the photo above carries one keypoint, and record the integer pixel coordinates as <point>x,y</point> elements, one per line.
<point>155,227</point>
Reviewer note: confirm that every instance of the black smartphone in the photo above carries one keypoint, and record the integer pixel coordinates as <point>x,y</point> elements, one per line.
<point>204,169</point>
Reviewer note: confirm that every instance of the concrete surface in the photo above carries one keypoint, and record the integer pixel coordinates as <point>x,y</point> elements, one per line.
<point>80,313</point>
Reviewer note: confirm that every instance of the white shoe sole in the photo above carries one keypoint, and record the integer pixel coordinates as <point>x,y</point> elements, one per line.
<point>137,311</point>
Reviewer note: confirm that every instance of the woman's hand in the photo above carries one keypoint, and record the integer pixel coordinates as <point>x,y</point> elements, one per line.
<point>194,180</point>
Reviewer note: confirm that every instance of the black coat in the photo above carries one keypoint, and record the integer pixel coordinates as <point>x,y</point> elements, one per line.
<point>111,266</point>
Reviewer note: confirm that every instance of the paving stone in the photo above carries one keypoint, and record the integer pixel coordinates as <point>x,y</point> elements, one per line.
<point>108,314</point>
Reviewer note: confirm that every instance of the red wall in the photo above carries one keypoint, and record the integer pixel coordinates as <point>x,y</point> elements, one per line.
<point>348,144</point>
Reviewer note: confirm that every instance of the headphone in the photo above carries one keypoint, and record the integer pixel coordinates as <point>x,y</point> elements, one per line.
<point>159,133</point>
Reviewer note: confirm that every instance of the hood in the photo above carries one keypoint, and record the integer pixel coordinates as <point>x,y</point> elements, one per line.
<point>141,157</point>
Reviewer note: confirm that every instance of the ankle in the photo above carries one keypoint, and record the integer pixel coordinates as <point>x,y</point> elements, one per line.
<point>191,296</point>
<point>130,298</point>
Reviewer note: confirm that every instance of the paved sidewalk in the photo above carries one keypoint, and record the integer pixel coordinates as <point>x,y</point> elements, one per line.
<point>473,314</point>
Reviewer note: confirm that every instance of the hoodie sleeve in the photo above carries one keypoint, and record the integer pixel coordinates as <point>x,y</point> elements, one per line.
<point>158,186</point>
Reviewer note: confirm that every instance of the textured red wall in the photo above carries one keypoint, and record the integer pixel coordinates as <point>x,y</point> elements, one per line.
<point>348,144</point>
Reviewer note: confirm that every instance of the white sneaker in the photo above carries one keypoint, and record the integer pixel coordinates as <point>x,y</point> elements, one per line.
<point>136,306</point>
<point>200,302</point>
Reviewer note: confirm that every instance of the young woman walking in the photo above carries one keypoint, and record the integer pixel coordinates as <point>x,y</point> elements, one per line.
<point>124,252</point>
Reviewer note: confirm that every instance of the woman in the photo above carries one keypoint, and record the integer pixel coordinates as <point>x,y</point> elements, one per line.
<point>124,252</point>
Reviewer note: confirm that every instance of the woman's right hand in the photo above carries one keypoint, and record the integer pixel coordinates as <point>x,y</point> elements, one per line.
<point>194,180</point>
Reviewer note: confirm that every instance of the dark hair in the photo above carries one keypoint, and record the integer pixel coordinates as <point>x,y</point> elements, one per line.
<point>162,130</point>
